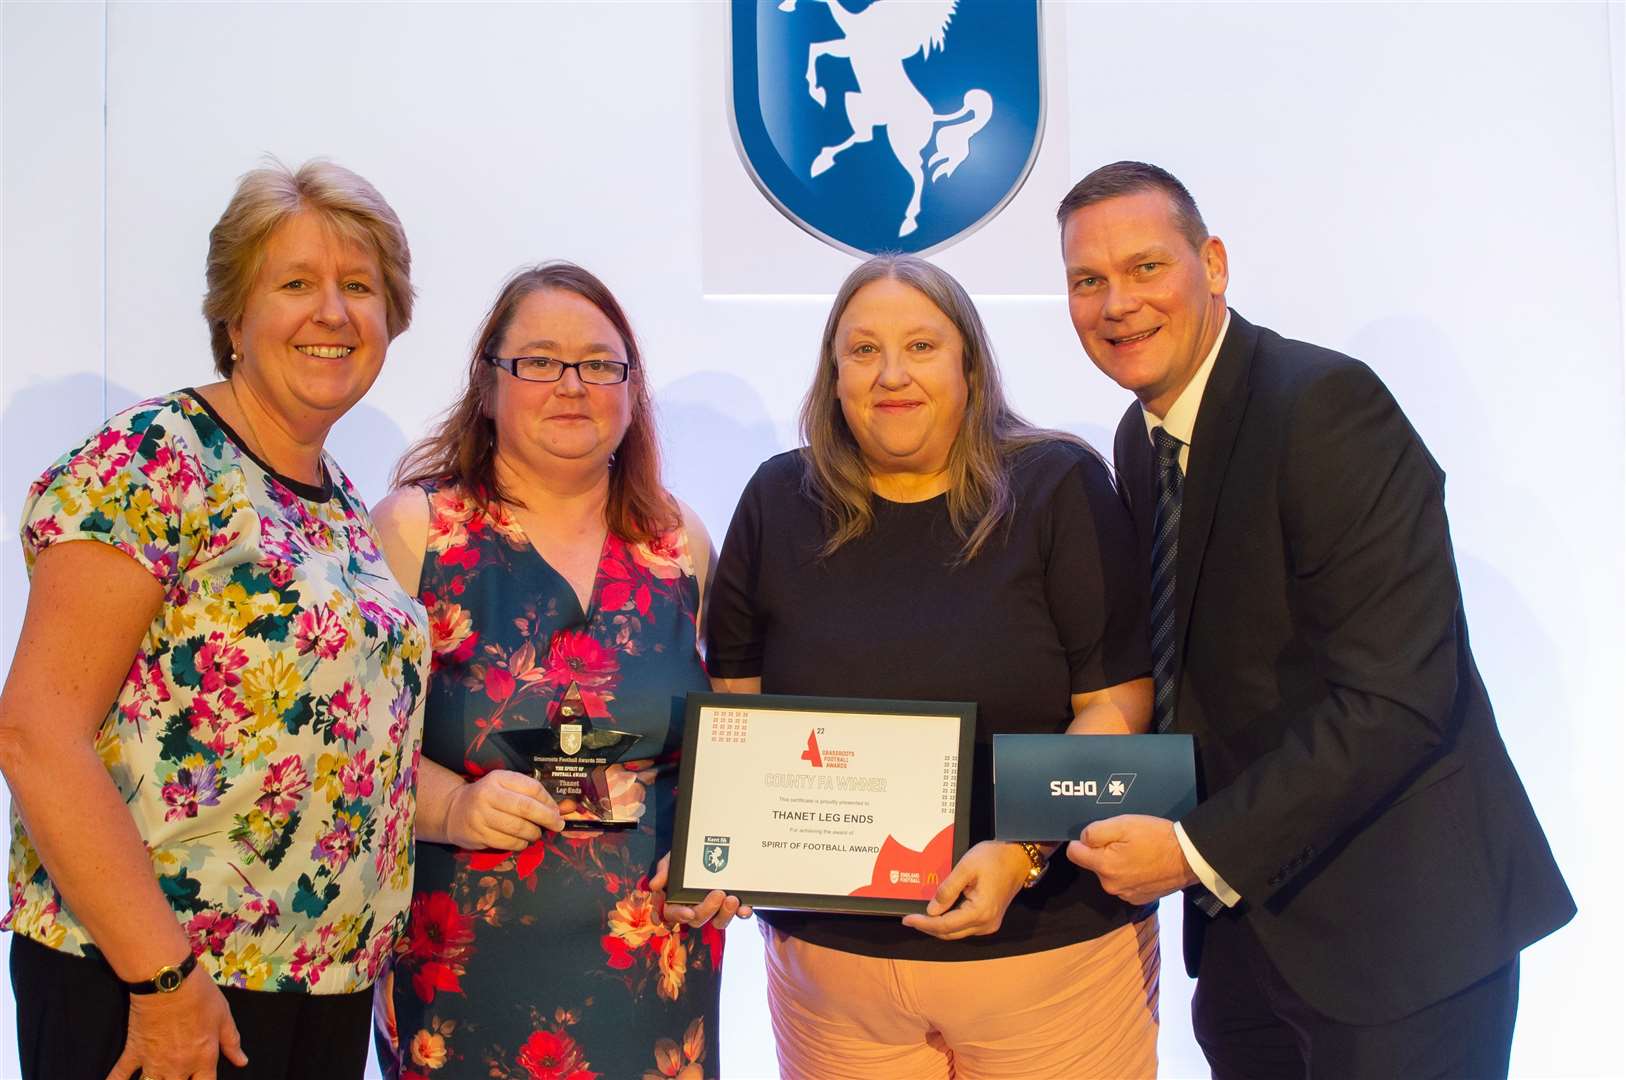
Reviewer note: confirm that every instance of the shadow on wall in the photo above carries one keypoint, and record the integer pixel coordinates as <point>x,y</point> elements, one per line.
<point>367,443</point>
<point>1415,357</point>
<point>1097,436</point>
<point>1523,669</point>
<point>715,431</point>
<point>42,422</point>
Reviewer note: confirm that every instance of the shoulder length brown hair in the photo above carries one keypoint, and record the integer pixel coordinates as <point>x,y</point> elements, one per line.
<point>991,432</point>
<point>462,446</point>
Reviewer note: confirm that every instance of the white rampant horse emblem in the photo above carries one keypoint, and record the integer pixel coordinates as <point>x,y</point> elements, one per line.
<point>876,42</point>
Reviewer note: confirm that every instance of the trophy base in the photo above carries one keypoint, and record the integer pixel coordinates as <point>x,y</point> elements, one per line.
<point>598,824</point>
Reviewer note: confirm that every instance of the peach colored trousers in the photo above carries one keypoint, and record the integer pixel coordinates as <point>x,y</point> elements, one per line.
<point>1082,1012</point>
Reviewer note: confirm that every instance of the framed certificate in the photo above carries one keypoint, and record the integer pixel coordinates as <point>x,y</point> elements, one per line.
<point>831,804</point>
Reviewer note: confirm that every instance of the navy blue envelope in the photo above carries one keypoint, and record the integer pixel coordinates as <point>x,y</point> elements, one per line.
<point>1048,787</point>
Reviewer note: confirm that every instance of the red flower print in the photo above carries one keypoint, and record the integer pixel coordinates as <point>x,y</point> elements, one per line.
<point>112,451</point>
<point>146,689</point>
<point>209,931</point>
<point>285,782</point>
<point>171,473</point>
<point>666,557</point>
<point>356,776</point>
<point>428,1048</point>
<point>575,656</point>
<point>340,843</point>
<point>448,520</point>
<point>674,965</point>
<point>190,789</point>
<point>499,684</point>
<point>260,913</point>
<point>37,533</point>
<point>553,1055</point>
<point>525,862</point>
<point>620,953</point>
<point>318,630</point>
<point>348,707</point>
<point>439,938</point>
<point>451,631</point>
<point>308,964</point>
<point>217,663</point>
<point>713,940</point>
<point>634,920</point>
<point>214,717</point>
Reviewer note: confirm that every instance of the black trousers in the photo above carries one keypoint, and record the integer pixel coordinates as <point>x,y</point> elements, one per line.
<point>1252,1026</point>
<point>72,1012</point>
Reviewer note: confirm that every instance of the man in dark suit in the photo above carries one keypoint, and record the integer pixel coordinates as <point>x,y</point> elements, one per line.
<point>1364,865</point>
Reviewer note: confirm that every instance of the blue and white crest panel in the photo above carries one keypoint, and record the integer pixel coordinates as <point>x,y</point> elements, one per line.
<point>887,124</point>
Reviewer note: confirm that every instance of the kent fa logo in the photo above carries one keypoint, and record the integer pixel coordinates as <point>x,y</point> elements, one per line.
<point>715,854</point>
<point>886,125</point>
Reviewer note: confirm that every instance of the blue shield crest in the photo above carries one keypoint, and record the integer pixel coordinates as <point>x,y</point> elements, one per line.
<point>887,125</point>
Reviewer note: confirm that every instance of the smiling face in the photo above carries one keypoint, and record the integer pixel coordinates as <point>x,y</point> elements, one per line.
<point>314,329</point>
<point>900,378</point>
<point>1147,307</point>
<point>566,420</point>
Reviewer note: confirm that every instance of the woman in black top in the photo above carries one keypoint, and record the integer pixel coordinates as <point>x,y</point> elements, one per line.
<point>927,543</point>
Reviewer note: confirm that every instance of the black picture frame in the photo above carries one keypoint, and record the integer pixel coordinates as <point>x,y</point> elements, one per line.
<point>961,713</point>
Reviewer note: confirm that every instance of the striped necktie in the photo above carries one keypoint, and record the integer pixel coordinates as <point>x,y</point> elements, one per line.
<point>1165,545</point>
<point>1165,549</point>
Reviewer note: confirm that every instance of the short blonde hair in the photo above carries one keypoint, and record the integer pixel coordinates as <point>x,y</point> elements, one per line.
<point>268,196</point>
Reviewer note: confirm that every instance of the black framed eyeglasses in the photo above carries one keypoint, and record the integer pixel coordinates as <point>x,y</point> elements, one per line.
<point>547,369</point>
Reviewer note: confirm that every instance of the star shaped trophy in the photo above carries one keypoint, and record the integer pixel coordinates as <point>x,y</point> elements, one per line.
<point>572,759</point>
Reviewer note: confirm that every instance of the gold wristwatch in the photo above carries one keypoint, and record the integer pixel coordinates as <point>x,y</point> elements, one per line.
<point>167,980</point>
<point>1037,858</point>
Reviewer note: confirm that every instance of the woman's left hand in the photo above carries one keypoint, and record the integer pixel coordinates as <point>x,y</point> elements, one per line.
<point>984,882</point>
<point>718,908</point>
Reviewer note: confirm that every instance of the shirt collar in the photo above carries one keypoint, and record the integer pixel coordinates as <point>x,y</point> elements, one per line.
<point>1181,420</point>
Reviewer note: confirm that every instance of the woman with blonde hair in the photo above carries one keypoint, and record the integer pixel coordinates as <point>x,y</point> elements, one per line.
<point>210,729</point>
<point>926,543</point>
<point>564,586</point>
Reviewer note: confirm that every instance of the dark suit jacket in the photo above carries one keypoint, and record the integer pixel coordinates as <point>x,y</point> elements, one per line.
<point>1355,789</point>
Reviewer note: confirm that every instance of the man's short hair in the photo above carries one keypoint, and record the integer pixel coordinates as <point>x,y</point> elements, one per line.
<point>1132,178</point>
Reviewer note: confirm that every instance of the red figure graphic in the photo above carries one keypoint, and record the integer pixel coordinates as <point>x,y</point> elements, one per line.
<point>811,755</point>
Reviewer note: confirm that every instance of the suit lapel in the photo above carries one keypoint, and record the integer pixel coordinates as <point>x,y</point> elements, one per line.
<point>1219,418</point>
<point>1132,459</point>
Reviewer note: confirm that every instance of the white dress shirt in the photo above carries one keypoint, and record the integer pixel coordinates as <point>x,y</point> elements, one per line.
<point>1181,421</point>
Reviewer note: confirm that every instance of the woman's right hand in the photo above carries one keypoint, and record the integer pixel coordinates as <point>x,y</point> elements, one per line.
<point>502,811</point>
<point>180,1036</point>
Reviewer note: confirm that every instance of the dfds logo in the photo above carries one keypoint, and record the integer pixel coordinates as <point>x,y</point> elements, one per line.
<point>887,124</point>
<point>1116,790</point>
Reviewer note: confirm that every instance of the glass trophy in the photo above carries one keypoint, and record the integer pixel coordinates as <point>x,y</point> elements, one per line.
<point>572,759</point>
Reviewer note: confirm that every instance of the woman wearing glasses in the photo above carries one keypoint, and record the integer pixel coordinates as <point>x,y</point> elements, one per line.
<point>563,585</point>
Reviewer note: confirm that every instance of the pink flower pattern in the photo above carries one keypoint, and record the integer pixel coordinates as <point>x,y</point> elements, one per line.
<point>266,737</point>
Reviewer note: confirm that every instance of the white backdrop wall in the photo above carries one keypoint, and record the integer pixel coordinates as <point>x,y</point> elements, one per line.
<point>1433,188</point>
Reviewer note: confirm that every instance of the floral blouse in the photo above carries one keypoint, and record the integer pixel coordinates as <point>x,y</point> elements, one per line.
<point>266,738</point>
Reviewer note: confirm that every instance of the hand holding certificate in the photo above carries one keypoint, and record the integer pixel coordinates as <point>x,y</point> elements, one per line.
<point>821,803</point>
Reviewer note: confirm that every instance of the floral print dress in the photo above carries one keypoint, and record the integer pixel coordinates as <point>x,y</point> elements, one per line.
<point>549,963</point>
